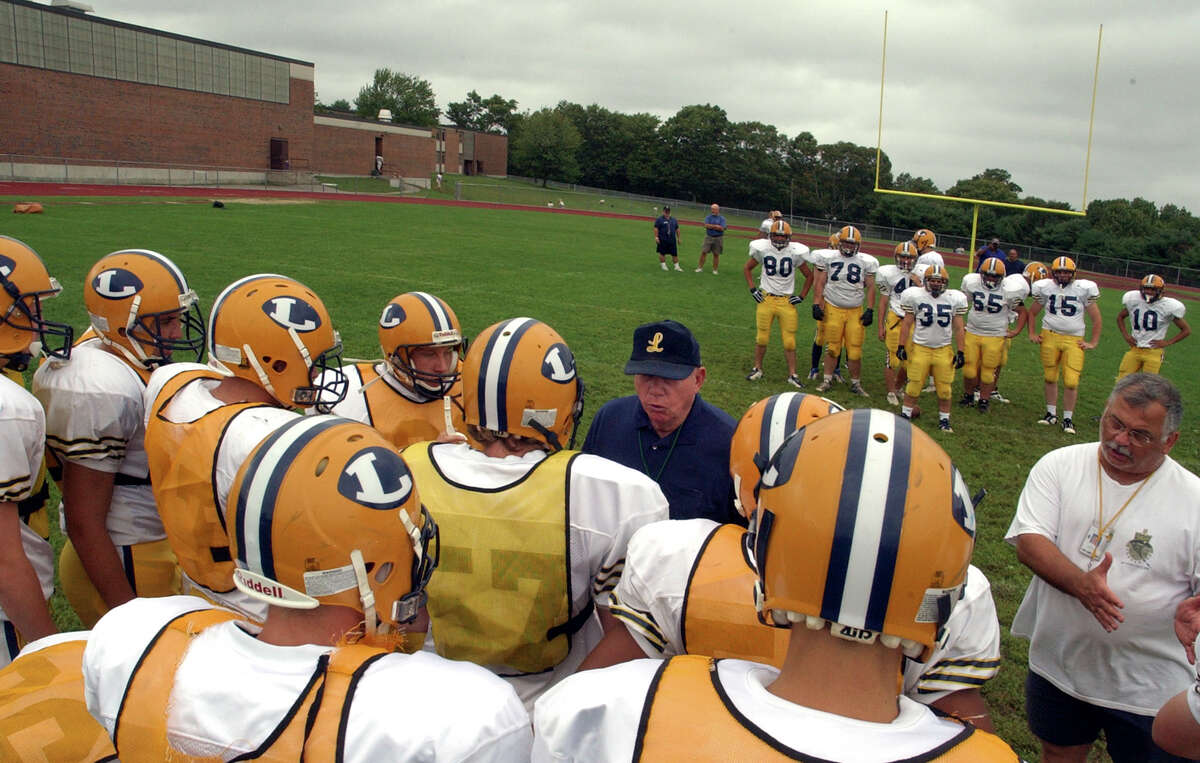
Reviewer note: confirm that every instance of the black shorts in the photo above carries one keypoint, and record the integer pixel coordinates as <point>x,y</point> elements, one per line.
<point>1058,718</point>
<point>668,247</point>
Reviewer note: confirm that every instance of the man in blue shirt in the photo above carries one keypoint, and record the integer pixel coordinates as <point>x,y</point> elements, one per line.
<point>666,236</point>
<point>714,238</point>
<point>666,430</point>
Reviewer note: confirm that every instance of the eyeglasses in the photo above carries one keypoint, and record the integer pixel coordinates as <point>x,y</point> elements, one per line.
<point>1137,436</point>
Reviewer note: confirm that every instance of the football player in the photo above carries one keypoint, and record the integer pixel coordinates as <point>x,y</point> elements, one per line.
<point>26,559</point>
<point>1023,281</point>
<point>534,534</point>
<point>776,295</point>
<point>925,240</point>
<point>1067,301</point>
<point>688,586</point>
<point>818,347</point>
<point>993,299</point>
<point>269,336</point>
<point>1151,313</point>
<point>143,315</point>
<point>856,603</point>
<point>414,393</point>
<point>327,529</point>
<point>933,319</point>
<point>892,280</point>
<point>842,282</point>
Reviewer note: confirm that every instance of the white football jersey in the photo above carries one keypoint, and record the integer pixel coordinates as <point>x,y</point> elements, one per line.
<point>1150,320</point>
<point>933,324</point>
<point>846,277</point>
<point>1064,306</point>
<point>990,310</point>
<point>22,441</point>
<point>608,503</point>
<point>650,601</point>
<point>930,258</point>
<point>596,714</point>
<point>231,691</point>
<point>892,281</point>
<point>778,266</point>
<point>969,652</point>
<point>95,417</point>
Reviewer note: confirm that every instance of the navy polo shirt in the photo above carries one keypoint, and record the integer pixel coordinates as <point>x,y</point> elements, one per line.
<point>693,475</point>
<point>667,227</point>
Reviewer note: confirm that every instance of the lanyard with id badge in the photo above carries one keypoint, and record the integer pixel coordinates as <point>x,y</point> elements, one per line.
<point>1100,534</point>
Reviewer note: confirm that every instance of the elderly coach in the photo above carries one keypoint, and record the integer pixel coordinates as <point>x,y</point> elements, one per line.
<point>666,430</point>
<point>1112,532</point>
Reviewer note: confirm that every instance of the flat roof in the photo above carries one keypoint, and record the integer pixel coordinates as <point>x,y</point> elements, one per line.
<point>65,11</point>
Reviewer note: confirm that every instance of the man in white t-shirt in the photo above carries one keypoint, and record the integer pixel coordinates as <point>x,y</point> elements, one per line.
<point>1151,314</point>
<point>855,602</point>
<point>780,258</point>
<point>327,528</point>
<point>1112,532</point>
<point>533,534</point>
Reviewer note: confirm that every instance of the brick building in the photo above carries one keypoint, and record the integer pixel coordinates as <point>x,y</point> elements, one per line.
<point>92,99</point>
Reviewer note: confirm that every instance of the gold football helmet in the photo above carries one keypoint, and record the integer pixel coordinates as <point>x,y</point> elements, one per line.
<point>417,319</point>
<point>24,284</point>
<point>781,234</point>
<point>139,303</point>
<point>1036,271</point>
<point>325,511</point>
<point>906,255</point>
<point>1063,270</point>
<point>833,241</point>
<point>276,332</point>
<point>763,428</point>
<point>866,525</point>
<point>1152,287</point>
<point>519,378</point>
<point>936,280</point>
<point>925,239</point>
<point>992,271</point>
<point>849,240</point>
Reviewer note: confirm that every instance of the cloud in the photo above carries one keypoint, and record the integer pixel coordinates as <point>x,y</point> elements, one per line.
<point>970,85</point>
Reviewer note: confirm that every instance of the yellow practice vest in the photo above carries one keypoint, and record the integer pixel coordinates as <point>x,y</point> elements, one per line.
<point>182,459</point>
<point>686,719</point>
<point>402,421</point>
<point>719,619</point>
<point>140,732</point>
<point>501,596</point>
<point>43,715</point>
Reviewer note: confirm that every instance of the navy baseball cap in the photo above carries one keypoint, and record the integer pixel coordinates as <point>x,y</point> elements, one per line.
<point>663,348</point>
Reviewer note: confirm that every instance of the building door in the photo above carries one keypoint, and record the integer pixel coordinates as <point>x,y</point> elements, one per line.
<point>279,154</point>
<point>377,160</point>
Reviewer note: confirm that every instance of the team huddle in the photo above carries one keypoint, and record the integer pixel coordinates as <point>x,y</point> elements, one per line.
<point>271,548</point>
<point>930,330</point>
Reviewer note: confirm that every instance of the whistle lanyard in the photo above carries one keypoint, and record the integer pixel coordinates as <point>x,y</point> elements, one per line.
<point>642,453</point>
<point>1105,526</point>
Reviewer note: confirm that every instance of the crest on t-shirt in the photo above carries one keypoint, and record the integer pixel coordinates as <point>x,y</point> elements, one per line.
<point>1139,549</point>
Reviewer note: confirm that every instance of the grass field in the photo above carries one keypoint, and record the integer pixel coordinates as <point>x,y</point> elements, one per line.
<point>594,280</point>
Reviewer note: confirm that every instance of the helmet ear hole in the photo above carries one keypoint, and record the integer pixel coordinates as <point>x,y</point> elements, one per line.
<point>384,572</point>
<point>278,366</point>
<point>321,466</point>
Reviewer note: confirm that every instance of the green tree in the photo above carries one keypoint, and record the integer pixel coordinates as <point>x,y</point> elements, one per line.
<point>493,114</point>
<point>697,148</point>
<point>341,104</point>
<point>844,182</point>
<point>545,147</point>
<point>409,98</point>
<point>618,150</point>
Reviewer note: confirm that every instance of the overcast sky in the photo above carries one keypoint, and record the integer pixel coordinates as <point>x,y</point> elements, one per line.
<point>970,84</point>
